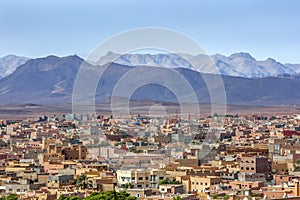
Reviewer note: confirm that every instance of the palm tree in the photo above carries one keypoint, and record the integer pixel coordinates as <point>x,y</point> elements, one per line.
<point>83,182</point>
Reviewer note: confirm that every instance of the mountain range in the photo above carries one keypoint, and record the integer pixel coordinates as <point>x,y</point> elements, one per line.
<point>238,64</point>
<point>50,80</point>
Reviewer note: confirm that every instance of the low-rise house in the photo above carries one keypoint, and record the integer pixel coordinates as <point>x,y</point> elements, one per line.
<point>60,180</point>
<point>140,177</point>
<point>171,189</point>
<point>139,192</point>
<point>22,186</point>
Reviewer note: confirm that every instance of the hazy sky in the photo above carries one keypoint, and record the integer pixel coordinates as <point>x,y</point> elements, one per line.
<point>264,28</point>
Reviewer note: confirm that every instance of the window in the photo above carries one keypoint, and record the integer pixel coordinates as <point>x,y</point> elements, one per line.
<point>161,178</point>
<point>140,178</point>
<point>147,178</point>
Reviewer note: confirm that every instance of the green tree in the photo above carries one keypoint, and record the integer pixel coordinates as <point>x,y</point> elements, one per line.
<point>111,195</point>
<point>226,197</point>
<point>83,182</point>
<point>177,198</point>
<point>94,194</point>
<point>296,166</point>
<point>62,197</point>
<point>12,197</point>
<point>9,197</point>
<point>135,150</point>
<point>163,182</point>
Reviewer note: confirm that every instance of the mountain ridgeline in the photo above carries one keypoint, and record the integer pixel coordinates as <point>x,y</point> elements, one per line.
<point>50,80</point>
<point>238,64</point>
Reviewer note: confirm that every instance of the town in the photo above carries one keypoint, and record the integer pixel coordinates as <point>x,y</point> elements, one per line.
<point>150,157</point>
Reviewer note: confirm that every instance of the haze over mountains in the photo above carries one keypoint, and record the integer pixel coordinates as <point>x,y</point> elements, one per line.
<point>238,64</point>
<point>50,80</point>
<point>9,63</point>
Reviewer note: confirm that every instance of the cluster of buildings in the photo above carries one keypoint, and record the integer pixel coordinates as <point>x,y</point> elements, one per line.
<point>151,157</point>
